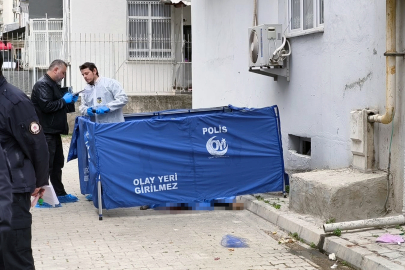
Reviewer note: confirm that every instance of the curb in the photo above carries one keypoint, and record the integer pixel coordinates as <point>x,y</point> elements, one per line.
<point>355,255</point>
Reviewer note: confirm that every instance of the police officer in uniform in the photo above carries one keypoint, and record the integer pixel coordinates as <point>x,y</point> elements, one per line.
<point>26,151</point>
<point>5,195</point>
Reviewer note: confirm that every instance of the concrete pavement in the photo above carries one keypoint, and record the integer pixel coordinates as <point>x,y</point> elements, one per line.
<point>72,237</point>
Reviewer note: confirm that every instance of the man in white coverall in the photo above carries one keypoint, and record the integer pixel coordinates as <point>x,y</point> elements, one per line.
<point>103,98</point>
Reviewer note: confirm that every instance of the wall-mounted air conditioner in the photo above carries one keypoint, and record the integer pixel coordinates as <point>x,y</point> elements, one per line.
<point>263,41</point>
<point>268,50</point>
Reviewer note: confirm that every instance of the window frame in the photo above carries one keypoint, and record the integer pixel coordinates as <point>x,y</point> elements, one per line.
<point>318,25</point>
<point>149,18</point>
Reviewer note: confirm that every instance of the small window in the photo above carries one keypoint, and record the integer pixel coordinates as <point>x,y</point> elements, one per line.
<point>301,145</point>
<point>305,16</point>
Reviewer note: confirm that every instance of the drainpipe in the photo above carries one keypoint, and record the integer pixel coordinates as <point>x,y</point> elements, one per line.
<point>390,68</point>
<point>367,223</point>
<point>387,118</point>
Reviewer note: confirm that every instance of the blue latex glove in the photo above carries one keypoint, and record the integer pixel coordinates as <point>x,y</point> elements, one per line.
<point>75,98</point>
<point>90,111</point>
<point>68,98</point>
<point>102,110</point>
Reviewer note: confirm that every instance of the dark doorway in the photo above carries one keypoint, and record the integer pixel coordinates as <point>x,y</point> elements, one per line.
<point>187,43</point>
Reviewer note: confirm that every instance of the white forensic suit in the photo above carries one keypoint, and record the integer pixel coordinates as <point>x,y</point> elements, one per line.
<point>105,92</point>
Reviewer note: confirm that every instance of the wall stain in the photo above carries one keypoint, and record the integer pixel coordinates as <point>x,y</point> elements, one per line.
<point>359,83</point>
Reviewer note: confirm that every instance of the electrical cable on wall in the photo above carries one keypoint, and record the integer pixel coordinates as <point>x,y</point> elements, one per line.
<point>255,13</point>
<point>388,169</point>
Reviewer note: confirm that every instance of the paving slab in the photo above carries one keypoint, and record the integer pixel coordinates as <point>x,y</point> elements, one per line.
<point>356,247</point>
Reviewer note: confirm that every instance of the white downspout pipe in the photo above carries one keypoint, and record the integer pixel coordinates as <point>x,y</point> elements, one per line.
<point>384,119</point>
<point>390,68</point>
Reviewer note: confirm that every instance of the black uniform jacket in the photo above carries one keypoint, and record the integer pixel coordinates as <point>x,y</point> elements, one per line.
<point>22,139</point>
<point>5,194</point>
<point>50,106</point>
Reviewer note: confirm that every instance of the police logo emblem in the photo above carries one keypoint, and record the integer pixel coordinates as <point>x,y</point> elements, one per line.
<point>35,128</point>
<point>99,100</point>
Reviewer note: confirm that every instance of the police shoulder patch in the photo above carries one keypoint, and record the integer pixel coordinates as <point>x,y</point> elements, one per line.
<point>35,128</point>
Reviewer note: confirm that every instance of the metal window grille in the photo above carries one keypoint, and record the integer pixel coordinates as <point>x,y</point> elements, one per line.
<point>149,30</point>
<point>47,43</point>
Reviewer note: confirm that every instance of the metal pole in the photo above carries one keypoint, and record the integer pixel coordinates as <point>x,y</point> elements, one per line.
<point>367,223</point>
<point>100,203</point>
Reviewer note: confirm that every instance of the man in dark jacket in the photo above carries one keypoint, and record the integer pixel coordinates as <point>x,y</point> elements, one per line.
<point>52,103</point>
<point>24,145</point>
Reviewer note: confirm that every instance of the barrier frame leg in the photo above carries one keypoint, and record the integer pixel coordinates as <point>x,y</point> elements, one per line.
<point>100,203</point>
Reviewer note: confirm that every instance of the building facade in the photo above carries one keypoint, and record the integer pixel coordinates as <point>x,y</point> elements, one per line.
<point>337,66</point>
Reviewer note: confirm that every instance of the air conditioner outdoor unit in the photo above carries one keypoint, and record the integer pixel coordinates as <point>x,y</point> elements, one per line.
<point>263,41</point>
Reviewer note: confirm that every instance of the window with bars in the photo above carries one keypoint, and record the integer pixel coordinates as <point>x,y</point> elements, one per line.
<point>46,41</point>
<point>149,30</point>
<point>305,15</point>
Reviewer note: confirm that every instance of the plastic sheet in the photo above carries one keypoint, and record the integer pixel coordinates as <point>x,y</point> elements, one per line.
<point>389,238</point>
<point>231,241</point>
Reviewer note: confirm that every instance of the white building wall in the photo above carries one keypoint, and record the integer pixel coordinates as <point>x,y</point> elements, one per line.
<point>24,19</point>
<point>8,15</point>
<point>332,73</point>
<point>98,16</point>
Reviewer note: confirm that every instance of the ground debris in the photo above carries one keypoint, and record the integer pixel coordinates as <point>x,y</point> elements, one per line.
<point>286,240</point>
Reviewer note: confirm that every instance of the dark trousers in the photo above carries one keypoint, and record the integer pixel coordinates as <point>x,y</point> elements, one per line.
<point>56,161</point>
<point>15,245</point>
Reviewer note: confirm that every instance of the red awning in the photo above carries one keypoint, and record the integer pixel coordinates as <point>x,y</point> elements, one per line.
<point>5,47</point>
